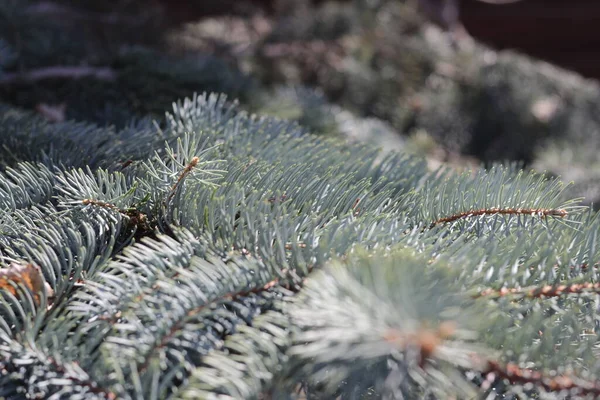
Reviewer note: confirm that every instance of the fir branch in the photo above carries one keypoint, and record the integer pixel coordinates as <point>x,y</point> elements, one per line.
<point>519,376</point>
<point>46,374</point>
<point>541,292</point>
<point>179,325</point>
<point>59,72</point>
<point>541,212</point>
<point>186,171</point>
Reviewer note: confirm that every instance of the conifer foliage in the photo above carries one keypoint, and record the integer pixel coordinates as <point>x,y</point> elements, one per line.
<point>221,255</point>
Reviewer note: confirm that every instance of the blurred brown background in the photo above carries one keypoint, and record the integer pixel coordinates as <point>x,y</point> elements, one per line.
<point>565,32</point>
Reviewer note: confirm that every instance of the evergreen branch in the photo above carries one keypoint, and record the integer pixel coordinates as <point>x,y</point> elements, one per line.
<point>260,351</point>
<point>541,212</point>
<point>187,315</point>
<point>179,325</point>
<point>25,185</point>
<point>44,375</point>
<point>59,72</point>
<point>520,376</point>
<point>541,292</point>
<point>229,297</point>
<point>182,176</point>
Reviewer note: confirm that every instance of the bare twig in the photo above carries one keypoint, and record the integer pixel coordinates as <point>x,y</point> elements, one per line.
<point>520,376</point>
<point>541,212</point>
<point>536,292</point>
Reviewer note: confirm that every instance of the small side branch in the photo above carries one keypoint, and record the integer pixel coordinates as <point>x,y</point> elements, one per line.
<point>186,171</point>
<point>102,204</point>
<point>59,72</point>
<point>137,218</point>
<point>540,212</point>
<point>61,12</point>
<point>541,292</point>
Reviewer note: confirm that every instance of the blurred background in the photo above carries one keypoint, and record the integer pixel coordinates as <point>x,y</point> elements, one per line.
<point>460,82</point>
<point>563,32</point>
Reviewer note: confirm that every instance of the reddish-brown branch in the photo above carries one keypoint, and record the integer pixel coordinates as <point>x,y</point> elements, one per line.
<point>136,218</point>
<point>541,292</point>
<point>139,217</point>
<point>184,173</point>
<point>540,212</point>
<point>59,72</point>
<point>520,376</point>
<point>102,204</point>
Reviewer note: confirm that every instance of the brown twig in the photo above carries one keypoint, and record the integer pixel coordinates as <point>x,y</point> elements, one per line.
<point>541,292</point>
<point>520,376</point>
<point>98,203</point>
<point>140,220</point>
<point>188,168</point>
<point>541,212</point>
<point>59,72</point>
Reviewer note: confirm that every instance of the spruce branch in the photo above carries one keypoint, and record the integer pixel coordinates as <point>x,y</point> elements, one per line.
<point>45,374</point>
<point>291,285</point>
<point>180,324</point>
<point>188,168</point>
<point>540,212</point>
